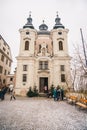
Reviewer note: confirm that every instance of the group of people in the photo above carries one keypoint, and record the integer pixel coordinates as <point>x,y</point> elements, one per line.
<point>9,89</point>
<point>58,93</point>
<point>3,92</point>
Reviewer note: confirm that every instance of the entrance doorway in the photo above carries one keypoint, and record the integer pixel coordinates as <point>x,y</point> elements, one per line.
<point>43,81</point>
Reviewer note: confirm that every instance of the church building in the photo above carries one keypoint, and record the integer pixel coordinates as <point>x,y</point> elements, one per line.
<point>43,58</point>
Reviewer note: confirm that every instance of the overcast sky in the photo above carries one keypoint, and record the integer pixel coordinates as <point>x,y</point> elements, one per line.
<point>14,14</point>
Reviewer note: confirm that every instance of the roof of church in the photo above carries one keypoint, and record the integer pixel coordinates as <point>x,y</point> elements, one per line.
<point>43,26</point>
<point>29,23</point>
<point>43,32</point>
<point>58,23</point>
<point>43,29</point>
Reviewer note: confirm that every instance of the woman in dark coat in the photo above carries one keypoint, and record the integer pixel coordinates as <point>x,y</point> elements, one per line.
<point>55,94</point>
<point>3,92</point>
<point>58,94</point>
<point>62,94</point>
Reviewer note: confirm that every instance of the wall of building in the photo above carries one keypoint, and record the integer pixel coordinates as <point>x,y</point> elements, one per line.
<point>5,60</point>
<point>44,50</point>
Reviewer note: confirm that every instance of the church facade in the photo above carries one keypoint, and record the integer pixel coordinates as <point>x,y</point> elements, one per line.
<point>43,58</point>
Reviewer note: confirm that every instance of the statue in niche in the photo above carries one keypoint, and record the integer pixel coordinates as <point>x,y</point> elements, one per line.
<point>43,51</point>
<point>47,48</point>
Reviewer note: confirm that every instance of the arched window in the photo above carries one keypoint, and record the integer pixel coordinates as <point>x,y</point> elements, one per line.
<point>47,47</point>
<point>27,45</point>
<point>60,45</point>
<point>39,48</point>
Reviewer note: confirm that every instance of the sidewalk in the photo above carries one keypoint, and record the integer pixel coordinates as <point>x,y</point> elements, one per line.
<point>40,114</point>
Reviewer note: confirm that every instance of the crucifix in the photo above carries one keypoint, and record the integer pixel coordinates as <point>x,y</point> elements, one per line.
<point>57,12</point>
<point>29,13</point>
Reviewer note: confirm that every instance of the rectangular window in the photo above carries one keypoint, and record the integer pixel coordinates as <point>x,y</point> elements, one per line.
<point>24,67</point>
<point>5,72</point>
<point>62,77</point>
<point>4,80</point>
<point>6,61</point>
<point>46,64</point>
<point>2,58</point>
<point>9,63</point>
<point>4,49</point>
<point>62,67</point>
<point>1,69</point>
<point>11,79</point>
<point>40,65</point>
<point>8,53</point>
<point>24,78</point>
<point>43,65</point>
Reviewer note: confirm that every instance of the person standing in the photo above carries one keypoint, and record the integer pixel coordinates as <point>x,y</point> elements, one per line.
<point>58,93</point>
<point>11,87</point>
<point>55,94</point>
<point>45,89</point>
<point>12,92</point>
<point>3,92</point>
<point>12,95</point>
<point>62,94</point>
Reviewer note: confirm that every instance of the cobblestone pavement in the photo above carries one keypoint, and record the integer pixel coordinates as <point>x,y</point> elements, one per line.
<point>40,114</point>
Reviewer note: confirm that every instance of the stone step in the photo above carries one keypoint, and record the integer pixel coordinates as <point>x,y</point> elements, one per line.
<point>42,94</point>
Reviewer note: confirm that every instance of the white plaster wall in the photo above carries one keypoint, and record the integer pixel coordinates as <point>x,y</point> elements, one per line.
<point>28,58</point>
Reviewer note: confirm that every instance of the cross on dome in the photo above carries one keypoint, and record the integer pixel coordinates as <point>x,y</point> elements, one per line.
<point>30,13</point>
<point>57,12</point>
<point>43,21</point>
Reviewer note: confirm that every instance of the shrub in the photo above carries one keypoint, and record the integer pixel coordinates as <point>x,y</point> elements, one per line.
<point>32,93</point>
<point>35,91</point>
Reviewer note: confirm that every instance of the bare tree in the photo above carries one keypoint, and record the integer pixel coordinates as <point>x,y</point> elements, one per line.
<point>78,68</point>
